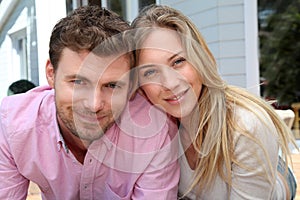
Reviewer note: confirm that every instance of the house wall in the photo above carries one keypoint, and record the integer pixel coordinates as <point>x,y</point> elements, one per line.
<point>15,17</point>
<point>21,17</point>
<point>48,12</point>
<point>230,29</point>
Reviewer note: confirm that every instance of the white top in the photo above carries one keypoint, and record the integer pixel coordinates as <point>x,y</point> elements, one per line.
<point>246,185</point>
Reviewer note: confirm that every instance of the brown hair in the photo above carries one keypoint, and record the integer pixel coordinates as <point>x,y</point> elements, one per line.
<point>86,29</point>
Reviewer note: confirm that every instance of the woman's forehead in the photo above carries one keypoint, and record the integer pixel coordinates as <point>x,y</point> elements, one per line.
<point>163,39</point>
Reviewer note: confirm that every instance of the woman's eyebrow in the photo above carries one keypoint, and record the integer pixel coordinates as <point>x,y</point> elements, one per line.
<point>152,64</point>
<point>145,66</point>
<point>174,55</point>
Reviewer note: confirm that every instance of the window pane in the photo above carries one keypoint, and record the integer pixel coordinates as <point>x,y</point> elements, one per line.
<point>95,2</point>
<point>143,3</point>
<point>69,6</point>
<point>118,6</point>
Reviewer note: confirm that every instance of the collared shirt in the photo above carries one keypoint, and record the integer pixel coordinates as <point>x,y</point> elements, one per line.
<point>135,159</point>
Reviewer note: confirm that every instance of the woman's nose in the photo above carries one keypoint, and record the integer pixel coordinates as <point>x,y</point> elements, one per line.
<point>169,78</point>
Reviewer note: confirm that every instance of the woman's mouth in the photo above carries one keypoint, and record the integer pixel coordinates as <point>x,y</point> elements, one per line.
<point>175,99</point>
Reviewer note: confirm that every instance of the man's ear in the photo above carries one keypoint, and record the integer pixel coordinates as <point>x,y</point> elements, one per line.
<point>50,74</point>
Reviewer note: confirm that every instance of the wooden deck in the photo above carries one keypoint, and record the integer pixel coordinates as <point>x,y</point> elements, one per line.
<point>33,192</point>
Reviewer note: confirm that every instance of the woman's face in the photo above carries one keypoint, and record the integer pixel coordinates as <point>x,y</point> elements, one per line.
<point>166,77</point>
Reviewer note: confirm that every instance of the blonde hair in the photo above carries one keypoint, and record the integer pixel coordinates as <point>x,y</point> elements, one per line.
<point>214,138</point>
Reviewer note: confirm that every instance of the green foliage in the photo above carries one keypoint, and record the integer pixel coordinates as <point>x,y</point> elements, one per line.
<point>280,54</point>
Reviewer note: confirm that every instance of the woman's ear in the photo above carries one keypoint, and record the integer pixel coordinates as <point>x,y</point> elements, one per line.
<point>50,74</point>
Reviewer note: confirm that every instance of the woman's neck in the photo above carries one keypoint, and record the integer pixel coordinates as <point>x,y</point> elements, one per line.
<point>188,132</point>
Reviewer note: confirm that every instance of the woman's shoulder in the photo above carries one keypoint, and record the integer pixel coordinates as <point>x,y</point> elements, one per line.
<point>251,116</point>
<point>254,125</point>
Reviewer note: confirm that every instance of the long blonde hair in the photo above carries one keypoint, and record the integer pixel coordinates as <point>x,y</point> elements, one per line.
<point>214,138</point>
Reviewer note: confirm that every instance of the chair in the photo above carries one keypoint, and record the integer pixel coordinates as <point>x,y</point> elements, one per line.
<point>296,108</point>
<point>288,116</point>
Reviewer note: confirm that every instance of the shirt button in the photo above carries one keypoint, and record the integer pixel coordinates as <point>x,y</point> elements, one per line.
<point>91,160</point>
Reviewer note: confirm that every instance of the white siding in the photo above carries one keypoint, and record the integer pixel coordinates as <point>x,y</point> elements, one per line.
<point>27,15</point>
<point>14,18</point>
<point>48,12</point>
<point>5,66</point>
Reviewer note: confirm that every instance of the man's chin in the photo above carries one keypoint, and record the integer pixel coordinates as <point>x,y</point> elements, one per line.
<point>90,136</point>
<point>92,130</point>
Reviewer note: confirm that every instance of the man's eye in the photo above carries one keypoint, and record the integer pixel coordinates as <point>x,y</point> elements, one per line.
<point>112,85</point>
<point>78,82</point>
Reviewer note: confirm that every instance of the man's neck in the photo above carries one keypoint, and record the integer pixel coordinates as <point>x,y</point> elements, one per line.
<point>76,145</point>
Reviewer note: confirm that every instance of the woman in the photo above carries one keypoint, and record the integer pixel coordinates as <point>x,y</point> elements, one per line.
<point>230,137</point>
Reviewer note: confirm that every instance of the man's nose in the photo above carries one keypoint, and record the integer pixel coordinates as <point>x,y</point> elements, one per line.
<point>96,101</point>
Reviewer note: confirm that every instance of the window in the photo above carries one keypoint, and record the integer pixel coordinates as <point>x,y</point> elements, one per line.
<point>19,42</point>
<point>22,52</point>
<point>70,6</point>
<point>73,4</point>
<point>118,6</point>
<point>127,9</point>
<point>144,3</point>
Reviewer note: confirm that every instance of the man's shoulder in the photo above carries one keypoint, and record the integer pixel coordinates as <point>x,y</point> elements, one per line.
<point>142,118</point>
<point>139,104</point>
<point>141,110</point>
<point>142,127</point>
<point>21,110</point>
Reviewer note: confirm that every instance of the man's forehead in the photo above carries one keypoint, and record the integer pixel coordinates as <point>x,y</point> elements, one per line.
<point>104,61</point>
<point>106,67</point>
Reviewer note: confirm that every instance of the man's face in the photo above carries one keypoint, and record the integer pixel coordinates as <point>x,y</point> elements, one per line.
<point>90,92</point>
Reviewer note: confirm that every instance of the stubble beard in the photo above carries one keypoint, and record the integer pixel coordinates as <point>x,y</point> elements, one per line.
<point>84,130</point>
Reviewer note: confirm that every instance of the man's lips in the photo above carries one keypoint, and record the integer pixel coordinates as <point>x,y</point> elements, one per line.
<point>92,118</point>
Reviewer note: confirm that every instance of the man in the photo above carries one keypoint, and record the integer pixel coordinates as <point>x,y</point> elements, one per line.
<point>80,138</point>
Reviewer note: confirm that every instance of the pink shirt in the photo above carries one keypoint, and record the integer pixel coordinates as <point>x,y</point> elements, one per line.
<point>135,159</point>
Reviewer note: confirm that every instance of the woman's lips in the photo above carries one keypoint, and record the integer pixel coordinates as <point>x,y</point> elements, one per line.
<point>175,99</point>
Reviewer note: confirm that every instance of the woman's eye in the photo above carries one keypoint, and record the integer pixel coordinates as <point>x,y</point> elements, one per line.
<point>149,72</point>
<point>178,61</point>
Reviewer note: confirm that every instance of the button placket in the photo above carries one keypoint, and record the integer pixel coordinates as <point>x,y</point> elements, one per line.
<point>87,178</point>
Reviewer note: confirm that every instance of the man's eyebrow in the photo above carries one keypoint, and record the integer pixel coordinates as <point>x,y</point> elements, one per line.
<point>76,76</point>
<point>118,82</point>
